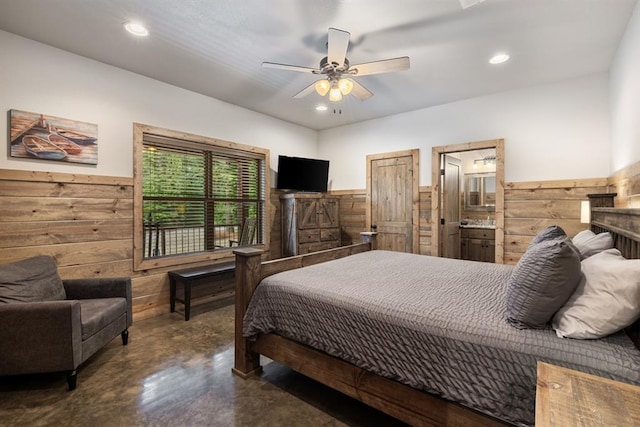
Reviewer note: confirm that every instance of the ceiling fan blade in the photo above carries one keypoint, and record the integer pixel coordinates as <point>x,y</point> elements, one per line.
<point>306,91</point>
<point>290,67</point>
<point>360,91</point>
<point>384,66</point>
<point>469,3</point>
<point>337,44</point>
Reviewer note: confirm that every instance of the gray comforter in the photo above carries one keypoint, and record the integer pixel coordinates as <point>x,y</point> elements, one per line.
<point>435,324</point>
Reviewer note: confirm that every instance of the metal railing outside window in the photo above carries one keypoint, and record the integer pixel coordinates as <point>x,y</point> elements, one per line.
<point>197,197</point>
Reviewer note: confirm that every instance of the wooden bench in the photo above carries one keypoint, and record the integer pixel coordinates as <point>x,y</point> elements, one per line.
<point>211,274</point>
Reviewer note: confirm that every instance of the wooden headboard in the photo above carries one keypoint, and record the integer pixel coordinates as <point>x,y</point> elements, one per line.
<point>624,226</point>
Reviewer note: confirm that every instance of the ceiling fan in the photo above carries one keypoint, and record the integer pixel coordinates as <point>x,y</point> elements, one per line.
<point>338,73</point>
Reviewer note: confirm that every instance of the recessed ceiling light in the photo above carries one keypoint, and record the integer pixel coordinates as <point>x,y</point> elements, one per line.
<point>321,108</point>
<point>136,28</point>
<point>499,58</point>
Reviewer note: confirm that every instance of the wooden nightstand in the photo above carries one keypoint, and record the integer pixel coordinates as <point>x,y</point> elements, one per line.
<point>565,397</point>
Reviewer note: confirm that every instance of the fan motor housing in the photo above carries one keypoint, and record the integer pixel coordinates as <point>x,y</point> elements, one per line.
<point>326,67</point>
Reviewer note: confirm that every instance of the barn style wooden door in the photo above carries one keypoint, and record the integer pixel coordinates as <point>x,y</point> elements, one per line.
<point>393,199</point>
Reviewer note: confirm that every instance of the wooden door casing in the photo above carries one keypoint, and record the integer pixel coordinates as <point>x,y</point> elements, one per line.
<point>392,199</point>
<point>436,205</point>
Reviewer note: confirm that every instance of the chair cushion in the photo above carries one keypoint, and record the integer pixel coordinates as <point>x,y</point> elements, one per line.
<point>96,314</point>
<point>31,280</point>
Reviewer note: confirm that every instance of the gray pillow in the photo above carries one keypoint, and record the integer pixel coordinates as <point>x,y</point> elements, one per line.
<point>549,233</point>
<point>30,280</point>
<point>542,281</point>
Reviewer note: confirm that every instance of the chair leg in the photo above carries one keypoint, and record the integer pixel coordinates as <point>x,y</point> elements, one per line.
<point>125,337</point>
<point>72,379</point>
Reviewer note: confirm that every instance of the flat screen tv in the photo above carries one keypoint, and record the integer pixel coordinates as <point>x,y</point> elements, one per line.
<point>300,174</point>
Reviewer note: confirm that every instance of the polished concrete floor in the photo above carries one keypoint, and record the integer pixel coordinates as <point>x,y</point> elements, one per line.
<point>177,373</point>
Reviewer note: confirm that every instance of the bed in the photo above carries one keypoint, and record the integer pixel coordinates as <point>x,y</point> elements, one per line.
<point>435,352</point>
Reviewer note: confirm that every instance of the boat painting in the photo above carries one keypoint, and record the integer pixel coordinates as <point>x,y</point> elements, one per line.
<point>67,145</point>
<point>42,148</point>
<point>76,137</point>
<point>78,141</point>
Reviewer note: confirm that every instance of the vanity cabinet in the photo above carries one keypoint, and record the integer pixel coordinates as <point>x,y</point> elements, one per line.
<point>478,244</point>
<point>309,223</point>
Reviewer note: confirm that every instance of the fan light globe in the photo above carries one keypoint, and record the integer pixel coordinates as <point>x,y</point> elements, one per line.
<point>335,94</point>
<point>322,87</point>
<point>345,86</point>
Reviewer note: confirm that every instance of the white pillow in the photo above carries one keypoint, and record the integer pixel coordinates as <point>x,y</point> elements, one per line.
<point>606,300</point>
<point>590,243</point>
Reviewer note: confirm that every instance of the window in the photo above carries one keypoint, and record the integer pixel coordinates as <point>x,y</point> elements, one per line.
<point>196,197</point>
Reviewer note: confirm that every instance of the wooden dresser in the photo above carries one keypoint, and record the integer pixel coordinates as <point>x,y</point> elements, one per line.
<point>309,223</point>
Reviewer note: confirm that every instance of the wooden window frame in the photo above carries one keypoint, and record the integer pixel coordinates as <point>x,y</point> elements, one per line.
<point>139,133</point>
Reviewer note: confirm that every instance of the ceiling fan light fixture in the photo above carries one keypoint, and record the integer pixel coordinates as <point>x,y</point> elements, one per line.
<point>322,87</point>
<point>345,86</point>
<point>336,65</point>
<point>335,95</point>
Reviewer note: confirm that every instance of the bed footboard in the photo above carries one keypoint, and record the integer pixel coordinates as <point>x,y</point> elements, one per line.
<point>248,262</point>
<point>250,270</point>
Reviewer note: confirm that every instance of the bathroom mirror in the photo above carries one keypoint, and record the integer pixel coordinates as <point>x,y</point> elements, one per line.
<point>480,191</point>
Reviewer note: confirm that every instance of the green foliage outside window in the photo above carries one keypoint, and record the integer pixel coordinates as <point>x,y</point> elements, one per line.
<point>182,189</point>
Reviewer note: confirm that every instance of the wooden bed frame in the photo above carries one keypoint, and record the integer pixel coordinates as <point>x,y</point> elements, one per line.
<point>408,404</point>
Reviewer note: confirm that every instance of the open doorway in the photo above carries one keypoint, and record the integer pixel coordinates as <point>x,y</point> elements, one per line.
<point>482,202</point>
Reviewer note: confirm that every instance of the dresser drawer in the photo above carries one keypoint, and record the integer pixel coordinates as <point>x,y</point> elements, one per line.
<point>330,234</point>
<point>314,247</point>
<point>306,236</point>
<point>478,233</point>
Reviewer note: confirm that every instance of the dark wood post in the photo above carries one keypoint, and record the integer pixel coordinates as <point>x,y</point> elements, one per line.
<point>370,237</point>
<point>248,263</point>
<point>601,200</point>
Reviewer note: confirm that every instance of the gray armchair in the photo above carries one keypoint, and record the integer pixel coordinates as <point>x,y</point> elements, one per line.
<point>58,335</point>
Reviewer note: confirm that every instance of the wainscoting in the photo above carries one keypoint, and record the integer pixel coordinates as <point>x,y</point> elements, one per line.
<point>353,211</point>
<point>86,222</point>
<point>532,206</point>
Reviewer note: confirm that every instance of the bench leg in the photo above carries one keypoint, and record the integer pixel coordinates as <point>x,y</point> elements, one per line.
<point>187,300</point>
<point>172,294</point>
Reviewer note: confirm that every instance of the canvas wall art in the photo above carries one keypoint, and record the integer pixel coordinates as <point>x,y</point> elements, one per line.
<point>40,136</point>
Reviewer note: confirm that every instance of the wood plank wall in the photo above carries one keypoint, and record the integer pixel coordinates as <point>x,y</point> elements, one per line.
<point>86,222</point>
<point>532,206</point>
<point>626,183</point>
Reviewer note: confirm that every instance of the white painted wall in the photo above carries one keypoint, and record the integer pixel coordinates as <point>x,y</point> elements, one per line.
<point>555,131</point>
<point>37,78</point>
<point>625,97</point>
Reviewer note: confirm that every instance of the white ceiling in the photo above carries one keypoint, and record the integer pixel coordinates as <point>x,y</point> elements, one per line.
<point>216,47</point>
